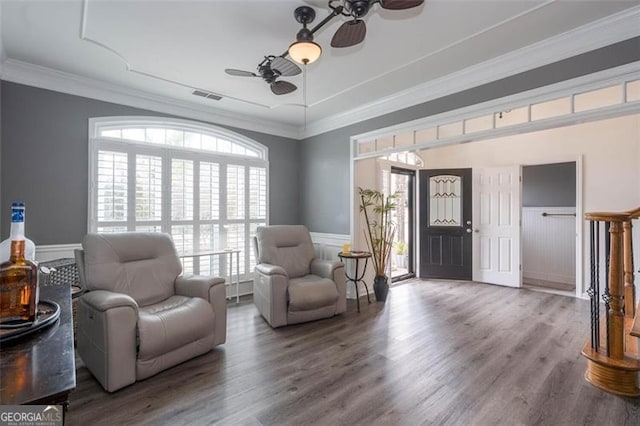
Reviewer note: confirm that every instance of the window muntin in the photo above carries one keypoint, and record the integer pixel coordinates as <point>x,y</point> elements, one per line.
<point>180,138</point>
<point>150,179</point>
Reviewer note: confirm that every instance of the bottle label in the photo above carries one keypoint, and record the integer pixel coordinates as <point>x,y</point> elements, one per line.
<point>17,215</point>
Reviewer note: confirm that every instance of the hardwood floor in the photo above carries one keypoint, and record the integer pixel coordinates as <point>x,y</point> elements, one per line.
<point>435,353</point>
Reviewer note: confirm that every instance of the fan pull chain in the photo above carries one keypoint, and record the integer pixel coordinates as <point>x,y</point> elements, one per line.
<point>304,93</point>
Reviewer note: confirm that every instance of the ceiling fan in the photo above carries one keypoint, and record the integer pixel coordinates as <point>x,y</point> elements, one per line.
<point>305,51</point>
<point>353,32</point>
<point>270,69</point>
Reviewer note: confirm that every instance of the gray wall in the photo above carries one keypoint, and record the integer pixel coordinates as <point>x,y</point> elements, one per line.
<point>549,185</point>
<point>44,162</point>
<point>325,158</point>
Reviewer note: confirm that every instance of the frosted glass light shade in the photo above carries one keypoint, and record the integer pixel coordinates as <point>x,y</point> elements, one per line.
<point>305,52</point>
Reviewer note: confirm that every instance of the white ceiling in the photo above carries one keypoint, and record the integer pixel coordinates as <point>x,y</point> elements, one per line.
<point>169,48</point>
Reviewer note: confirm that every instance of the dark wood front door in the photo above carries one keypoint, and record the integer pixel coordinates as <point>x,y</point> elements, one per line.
<point>445,224</point>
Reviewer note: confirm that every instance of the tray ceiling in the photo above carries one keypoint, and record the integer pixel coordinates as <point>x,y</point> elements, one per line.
<point>170,48</point>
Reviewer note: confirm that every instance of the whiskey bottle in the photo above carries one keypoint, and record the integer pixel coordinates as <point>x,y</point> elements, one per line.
<point>18,276</point>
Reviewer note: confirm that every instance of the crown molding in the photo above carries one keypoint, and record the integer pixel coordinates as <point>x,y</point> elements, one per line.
<point>59,81</point>
<point>601,33</point>
<point>609,30</point>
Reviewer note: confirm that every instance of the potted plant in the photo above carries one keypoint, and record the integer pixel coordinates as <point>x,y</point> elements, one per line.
<point>379,232</point>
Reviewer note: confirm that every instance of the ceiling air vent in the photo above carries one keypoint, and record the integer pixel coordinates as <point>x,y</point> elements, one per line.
<point>206,95</point>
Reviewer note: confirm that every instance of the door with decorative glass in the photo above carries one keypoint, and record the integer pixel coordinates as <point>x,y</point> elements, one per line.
<point>445,224</point>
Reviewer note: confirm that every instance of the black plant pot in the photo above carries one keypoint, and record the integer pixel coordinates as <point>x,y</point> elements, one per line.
<point>381,288</point>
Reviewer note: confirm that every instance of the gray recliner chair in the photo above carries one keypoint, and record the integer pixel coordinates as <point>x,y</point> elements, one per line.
<point>289,285</point>
<point>139,316</point>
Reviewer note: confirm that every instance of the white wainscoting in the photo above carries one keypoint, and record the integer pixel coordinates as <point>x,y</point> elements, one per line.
<point>55,251</point>
<point>328,246</point>
<point>549,244</point>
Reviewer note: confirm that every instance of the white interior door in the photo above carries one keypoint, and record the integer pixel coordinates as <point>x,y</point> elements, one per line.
<point>496,225</point>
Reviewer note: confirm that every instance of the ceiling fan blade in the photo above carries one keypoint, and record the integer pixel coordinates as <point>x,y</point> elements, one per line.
<point>400,4</point>
<point>240,73</point>
<point>285,67</point>
<point>282,87</point>
<point>349,34</point>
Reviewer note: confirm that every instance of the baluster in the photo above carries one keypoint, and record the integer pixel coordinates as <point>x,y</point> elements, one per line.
<point>606,296</point>
<point>615,313</point>
<point>614,369</point>
<point>592,291</point>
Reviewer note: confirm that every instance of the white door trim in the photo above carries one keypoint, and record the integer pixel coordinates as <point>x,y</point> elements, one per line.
<point>580,291</point>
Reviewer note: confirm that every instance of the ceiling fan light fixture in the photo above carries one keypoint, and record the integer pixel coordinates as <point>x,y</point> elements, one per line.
<point>305,51</point>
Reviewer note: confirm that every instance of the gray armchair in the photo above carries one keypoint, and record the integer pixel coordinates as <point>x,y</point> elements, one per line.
<point>139,316</point>
<point>289,285</point>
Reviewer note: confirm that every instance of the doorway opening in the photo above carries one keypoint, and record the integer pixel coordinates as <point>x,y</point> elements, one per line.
<point>549,227</point>
<point>402,183</point>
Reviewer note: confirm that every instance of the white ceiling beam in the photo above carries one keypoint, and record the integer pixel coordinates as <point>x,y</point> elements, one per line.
<point>601,33</point>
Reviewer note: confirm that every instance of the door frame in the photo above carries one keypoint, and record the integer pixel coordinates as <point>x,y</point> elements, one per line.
<point>412,220</point>
<point>581,286</point>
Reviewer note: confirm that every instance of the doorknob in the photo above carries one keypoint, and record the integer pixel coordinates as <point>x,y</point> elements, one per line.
<point>476,230</point>
<point>469,230</point>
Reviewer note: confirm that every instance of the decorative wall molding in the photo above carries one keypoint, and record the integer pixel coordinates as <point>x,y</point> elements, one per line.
<point>327,247</point>
<point>549,244</point>
<point>585,83</point>
<point>59,81</point>
<point>601,33</point>
<point>46,253</point>
<point>56,251</point>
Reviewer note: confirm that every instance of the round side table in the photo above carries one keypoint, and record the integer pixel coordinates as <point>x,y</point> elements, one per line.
<point>356,256</point>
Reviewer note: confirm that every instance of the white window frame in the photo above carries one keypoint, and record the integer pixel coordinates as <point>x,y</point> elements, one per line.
<point>167,153</point>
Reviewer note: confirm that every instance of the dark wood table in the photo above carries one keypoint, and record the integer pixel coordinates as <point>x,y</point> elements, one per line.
<point>40,368</point>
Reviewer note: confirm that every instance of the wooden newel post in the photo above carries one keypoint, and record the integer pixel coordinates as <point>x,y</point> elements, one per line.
<point>616,293</point>
<point>629,287</point>
<point>613,363</point>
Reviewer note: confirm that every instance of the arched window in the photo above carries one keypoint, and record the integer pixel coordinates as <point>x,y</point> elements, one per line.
<point>204,185</point>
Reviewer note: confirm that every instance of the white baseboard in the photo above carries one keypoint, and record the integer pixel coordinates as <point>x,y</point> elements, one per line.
<point>546,276</point>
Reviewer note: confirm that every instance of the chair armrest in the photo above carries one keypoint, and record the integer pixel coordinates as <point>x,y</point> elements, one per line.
<point>325,268</point>
<point>107,325</point>
<point>333,270</point>
<point>213,290</point>
<point>268,269</point>
<point>270,284</point>
<point>197,285</point>
<point>102,300</point>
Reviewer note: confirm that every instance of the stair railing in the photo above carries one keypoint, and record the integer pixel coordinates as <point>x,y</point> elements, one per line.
<point>613,362</point>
